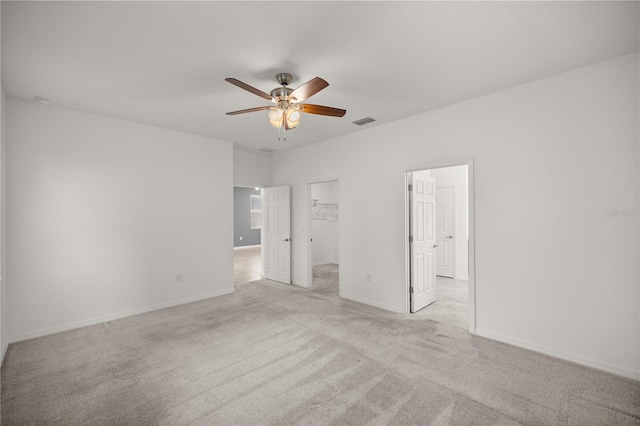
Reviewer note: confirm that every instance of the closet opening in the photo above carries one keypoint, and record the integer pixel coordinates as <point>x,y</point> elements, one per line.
<point>324,237</point>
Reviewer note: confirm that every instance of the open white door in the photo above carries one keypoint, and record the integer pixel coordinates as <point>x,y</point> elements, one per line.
<point>423,240</point>
<point>444,234</point>
<point>276,241</point>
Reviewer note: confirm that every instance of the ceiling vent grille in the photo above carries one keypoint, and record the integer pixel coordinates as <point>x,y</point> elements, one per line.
<point>364,121</point>
<point>267,150</point>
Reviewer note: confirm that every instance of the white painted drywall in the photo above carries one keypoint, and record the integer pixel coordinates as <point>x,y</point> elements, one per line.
<point>553,272</point>
<point>3,218</point>
<point>105,213</point>
<point>456,178</point>
<point>325,248</point>
<point>251,169</point>
<point>4,331</point>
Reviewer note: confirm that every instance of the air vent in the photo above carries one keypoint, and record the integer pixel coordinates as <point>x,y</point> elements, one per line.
<point>364,121</point>
<point>267,150</point>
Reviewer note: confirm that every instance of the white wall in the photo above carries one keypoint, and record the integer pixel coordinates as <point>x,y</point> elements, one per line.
<point>4,341</point>
<point>105,213</point>
<point>4,329</point>
<point>325,247</point>
<point>456,178</point>
<point>554,274</point>
<point>251,169</point>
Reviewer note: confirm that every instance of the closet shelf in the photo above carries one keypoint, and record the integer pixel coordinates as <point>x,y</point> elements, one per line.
<point>324,211</point>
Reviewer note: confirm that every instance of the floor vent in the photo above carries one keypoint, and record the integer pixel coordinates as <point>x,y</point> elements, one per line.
<point>364,121</point>
<point>267,150</point>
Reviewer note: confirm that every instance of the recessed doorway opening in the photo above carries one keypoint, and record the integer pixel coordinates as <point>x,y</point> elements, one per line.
<point>247,224</point>
<point>440,243</point>
<point>324,241</point>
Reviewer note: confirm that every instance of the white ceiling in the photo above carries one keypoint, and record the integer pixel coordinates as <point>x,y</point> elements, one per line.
<point>164,63</point>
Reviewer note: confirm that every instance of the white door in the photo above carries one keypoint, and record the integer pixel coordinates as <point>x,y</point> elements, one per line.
<point>276,238</point>
<point>423,240</point>
<point>444,234</point>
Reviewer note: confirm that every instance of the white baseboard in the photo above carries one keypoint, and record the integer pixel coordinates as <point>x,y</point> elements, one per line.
<point>558,353</point>
<point>114,316</point>
<point>246,247</point>
<point>372,303</point>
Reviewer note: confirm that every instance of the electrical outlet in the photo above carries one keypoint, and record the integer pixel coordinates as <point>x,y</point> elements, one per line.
<point>179,277</point>
<point>240,238</point>
<point>367,278</point>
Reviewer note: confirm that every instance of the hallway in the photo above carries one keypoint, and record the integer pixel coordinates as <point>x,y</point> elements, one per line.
<point>246,264</point>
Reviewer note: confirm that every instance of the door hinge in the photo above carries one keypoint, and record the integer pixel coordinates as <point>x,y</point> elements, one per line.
<point>410,187</point>
<point>410,238</point>
<point>411,290</point>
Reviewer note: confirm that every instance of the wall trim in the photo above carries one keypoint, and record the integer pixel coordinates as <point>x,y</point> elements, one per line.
<point>115,316</point>
<point>247,247</point>
<point>558,353</point>
<point>373,303</point>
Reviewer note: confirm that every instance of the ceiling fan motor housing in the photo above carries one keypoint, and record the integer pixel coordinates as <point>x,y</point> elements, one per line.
<point>281,94</point>
<point>284,78</point>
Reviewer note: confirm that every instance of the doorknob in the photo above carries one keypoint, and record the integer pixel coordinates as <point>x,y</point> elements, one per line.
<point>287,239</point>
<point>449,236</point>
<point>435,245</point>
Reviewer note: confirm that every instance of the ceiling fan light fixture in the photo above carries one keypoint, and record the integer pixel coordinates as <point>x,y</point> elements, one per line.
<point>292,125</point>
<point>293,115</point>
<point>293,118</point>
<point>276,123</point>
<point>275,114</point>
<point>275,117</point>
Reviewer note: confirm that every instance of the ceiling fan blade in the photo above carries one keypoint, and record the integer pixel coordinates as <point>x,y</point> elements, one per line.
<point>308,89</point>
<point>243,111</point>
<point>321,110</point>
<point>248,88</point>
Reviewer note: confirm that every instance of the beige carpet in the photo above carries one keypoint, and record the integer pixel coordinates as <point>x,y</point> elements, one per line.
<point>278,354</point>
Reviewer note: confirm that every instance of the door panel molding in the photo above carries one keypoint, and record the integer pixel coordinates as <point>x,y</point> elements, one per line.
<point>423,240</point>
<point>276,233</point>
<point>446,219</point>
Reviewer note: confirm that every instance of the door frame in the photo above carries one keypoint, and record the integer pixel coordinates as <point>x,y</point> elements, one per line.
<point>465,161</point>
<point>309,236</point>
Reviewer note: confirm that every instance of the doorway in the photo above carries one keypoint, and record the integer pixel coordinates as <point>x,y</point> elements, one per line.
<point>324,230</point>
<point>440,249</point>
<point>247,224</point>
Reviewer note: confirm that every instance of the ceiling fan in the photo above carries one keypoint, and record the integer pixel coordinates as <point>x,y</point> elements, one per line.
<point>286,111</point>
